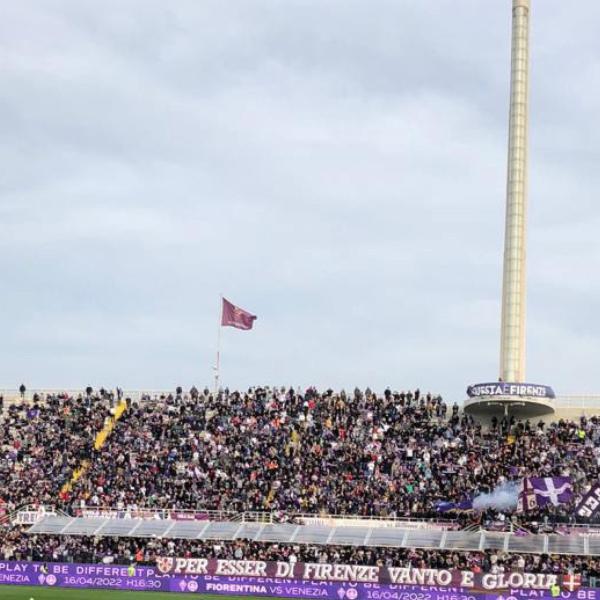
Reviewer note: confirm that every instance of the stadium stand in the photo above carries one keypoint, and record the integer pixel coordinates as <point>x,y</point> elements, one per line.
<point>283,452</point>
<point>392,454</point>
<point>43,442</point>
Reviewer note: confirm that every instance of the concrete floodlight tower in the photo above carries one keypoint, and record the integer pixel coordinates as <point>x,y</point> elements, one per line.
<point>512,345</point>
<point>510,393</point>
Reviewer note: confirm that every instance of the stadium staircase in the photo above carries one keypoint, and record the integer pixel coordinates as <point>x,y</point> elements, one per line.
<point>99,442</point>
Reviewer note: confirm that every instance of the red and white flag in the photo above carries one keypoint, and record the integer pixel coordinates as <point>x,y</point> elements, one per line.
<point>234,316</point>
<point>572,582</point>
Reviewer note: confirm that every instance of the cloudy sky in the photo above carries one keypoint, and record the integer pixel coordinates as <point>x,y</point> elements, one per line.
<point>337,167</point>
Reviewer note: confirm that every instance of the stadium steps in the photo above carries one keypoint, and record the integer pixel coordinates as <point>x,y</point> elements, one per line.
<point>99,441</point>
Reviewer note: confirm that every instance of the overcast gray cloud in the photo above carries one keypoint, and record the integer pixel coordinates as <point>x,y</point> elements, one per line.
<point>337,167</point>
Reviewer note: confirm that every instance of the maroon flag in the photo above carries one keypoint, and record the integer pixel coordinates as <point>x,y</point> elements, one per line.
<point>233,316</point>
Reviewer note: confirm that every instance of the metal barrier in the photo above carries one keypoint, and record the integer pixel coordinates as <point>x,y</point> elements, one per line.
<point>579,402</point>
<point>12,396</point>
<point>29,517</point>
<point>155,514</point>
<point>262,517</point>
<point>372,521</point>
<point>30,514</point>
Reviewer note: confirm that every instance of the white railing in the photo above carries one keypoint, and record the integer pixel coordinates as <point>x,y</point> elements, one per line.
<point>583,401</point>
<point>154,513</point>
<point>343,520</point>
<point>30,514</point>
<point>261,517</point>
<point>30,517</point>
<point>362,521</point>
<point>14,396</point>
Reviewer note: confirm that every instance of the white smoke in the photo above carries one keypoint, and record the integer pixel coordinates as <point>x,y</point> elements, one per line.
<point>502,497</point>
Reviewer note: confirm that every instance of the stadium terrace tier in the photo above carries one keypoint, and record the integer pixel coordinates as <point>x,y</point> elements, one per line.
<point>394,454</point>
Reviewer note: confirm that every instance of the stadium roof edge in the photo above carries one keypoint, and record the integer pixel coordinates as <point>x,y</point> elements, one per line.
<point>394,537</point>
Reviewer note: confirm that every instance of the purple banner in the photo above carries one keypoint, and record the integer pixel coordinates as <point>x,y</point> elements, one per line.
<point>186,516</point>
<point>502,388</point>
<point>149,579</point>
<point>589,507</point>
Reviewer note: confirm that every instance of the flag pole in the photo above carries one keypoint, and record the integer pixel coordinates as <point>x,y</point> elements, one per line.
<point>217,366</point>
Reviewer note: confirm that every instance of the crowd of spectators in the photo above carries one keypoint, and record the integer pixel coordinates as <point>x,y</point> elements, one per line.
<point>42,442</point>
<point>266,450</point>
<point>279,450</point>
<point>389,454</point>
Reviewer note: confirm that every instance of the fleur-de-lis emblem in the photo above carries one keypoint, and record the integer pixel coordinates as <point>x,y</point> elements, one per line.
<point>165,564</point>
